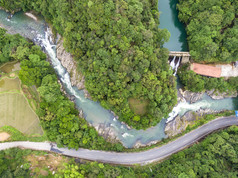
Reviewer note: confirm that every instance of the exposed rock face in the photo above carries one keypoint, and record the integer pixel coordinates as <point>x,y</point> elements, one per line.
<point>139,144</point>
<point>31,15</point>
<point>179,124</point>
<point>217,95</point>
<point>77,79</point>
<point>190,97</point>
<point>176,126</point>
<point>107,132</point>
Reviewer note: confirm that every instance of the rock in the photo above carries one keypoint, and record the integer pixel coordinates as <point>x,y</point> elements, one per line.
<point>217,95</point>
<point>139,144</point>
<point>81,113</point>
<point>77,79</point>
<point>107,132</point>
<point>86,94</point>
<point>179,96</point>
<point>191,97</point>
<point>179,124</point>
<point>176,126</point>
<point>31,15</point>
<point>72,98</point>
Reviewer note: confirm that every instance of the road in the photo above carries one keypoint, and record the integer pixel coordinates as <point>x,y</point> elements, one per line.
<point>144,157</point>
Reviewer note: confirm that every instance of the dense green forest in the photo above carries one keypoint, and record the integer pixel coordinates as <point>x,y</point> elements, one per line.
<point>216,156</point>
<point>8,45</point>
<point>197,83</point>
<point>57,113</point>
<point>212,29</point>
<point>118,46</point>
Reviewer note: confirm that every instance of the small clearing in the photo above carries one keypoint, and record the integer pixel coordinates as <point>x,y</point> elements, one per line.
<point>139,106</point>
<point>42,164</point>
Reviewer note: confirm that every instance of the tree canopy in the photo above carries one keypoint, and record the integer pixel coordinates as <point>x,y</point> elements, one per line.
<point>118,46</point>
<point>212,29</point>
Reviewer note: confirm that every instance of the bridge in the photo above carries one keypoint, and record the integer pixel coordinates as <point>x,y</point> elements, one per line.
<point>185,55</point>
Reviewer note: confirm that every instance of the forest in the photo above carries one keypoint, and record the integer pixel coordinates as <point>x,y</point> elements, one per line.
<point>212,29</point>
<point>118,46</point>
<point>215,156</point>
<point>57,113</point>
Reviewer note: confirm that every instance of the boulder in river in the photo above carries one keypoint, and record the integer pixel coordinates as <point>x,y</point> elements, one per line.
<point>107,132</point>
<point>189,96</point>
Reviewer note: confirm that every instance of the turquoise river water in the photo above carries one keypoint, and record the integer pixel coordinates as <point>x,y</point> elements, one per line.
<point>93,112</point>
<point>169,20</point>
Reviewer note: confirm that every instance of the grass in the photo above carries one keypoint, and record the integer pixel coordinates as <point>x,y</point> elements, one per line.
<point>17,108</point>
<point>16,112</point>
<point>138,106</point>
<point>16,135</point>
<point>10,66</point>
<point>7,84</point>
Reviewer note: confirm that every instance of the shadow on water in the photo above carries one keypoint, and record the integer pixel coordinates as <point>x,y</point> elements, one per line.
<point>179,25</point>
<point>235,103</point>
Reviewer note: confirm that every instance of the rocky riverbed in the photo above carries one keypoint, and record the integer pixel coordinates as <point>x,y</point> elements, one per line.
<point>218,95</point>
<point>180,123</point>
<point>192,97</point>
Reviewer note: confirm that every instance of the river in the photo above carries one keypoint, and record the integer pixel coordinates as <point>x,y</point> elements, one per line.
<point>93,112</point>
<point>169,20</point>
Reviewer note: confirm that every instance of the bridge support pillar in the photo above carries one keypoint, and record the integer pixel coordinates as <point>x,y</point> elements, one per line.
<point>185,59</point>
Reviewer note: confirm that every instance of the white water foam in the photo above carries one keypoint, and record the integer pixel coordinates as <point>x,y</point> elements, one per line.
<point>127,135</point>
<point>65,78</point>
<point>184,106</point>
<point>176,66</point>
<point>172,63</point>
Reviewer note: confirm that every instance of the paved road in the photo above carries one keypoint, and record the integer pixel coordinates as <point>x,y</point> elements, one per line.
<point>144,157</point>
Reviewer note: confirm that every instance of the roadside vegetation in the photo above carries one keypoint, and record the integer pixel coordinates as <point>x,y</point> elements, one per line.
<point>118,46</point>
<point>215,156</point>
<point>212,29</point>
<point>16,135</point>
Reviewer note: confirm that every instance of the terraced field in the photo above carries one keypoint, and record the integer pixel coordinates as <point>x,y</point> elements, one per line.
<point>15,110</point>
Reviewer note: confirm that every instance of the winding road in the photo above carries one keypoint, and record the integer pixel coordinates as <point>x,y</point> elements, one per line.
<point>143,157</point>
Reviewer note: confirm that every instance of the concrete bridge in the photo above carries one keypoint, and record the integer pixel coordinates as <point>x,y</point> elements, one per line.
<point>185,55</point>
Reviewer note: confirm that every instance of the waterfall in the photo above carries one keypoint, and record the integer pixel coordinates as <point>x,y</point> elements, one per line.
<point>176,66</point>
<point>172,63</point>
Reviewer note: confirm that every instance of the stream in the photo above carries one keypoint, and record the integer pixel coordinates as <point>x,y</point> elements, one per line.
<point>93,111</point>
